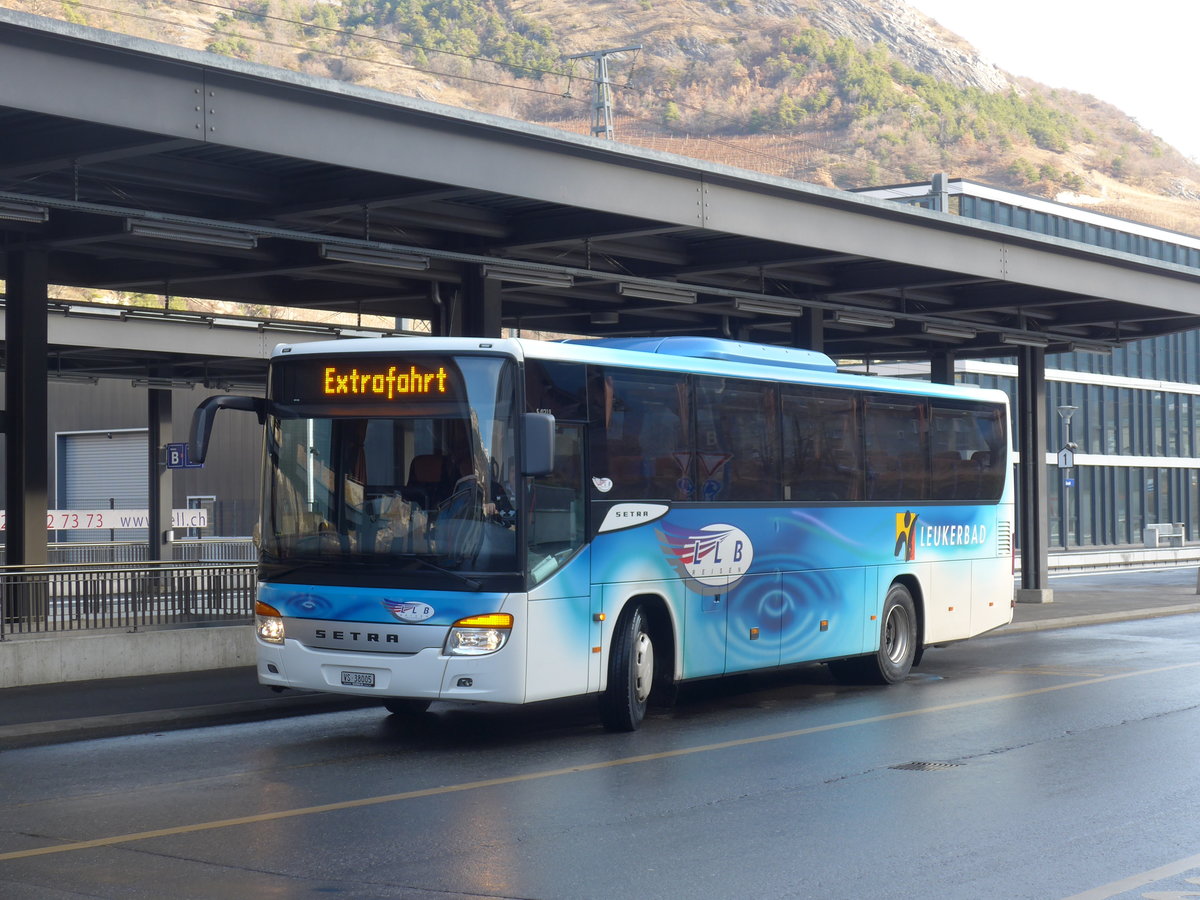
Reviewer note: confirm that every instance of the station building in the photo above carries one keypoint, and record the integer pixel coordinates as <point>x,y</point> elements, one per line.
<point>1136,406</point>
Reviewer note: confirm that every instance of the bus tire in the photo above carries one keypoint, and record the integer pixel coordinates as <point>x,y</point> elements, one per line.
<point>404,706</point>
<point>630,674</point>
<point>892,662</point>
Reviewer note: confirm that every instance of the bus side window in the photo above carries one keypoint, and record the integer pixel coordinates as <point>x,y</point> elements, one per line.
<point>737,440</point>
<point>641,436</point>
<point>968,452</point>
<point>821,446</point>
<point>897,448</point>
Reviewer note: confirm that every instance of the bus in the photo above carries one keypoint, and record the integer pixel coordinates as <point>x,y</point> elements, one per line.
<point>510,521</point>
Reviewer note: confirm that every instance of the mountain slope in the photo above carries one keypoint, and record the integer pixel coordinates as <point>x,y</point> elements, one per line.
<point>840,92</point>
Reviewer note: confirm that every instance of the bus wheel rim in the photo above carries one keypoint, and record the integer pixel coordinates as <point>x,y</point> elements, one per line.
<point>896,634</point>
<point>643,666</point>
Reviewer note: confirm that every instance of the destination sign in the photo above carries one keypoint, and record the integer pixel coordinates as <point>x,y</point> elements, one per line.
<point>378,383</point>
<point>366,380</point>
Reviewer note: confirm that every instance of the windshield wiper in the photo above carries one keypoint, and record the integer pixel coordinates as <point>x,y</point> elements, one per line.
<point>465,579</point>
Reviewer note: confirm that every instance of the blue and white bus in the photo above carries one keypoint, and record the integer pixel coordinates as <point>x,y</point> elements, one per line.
<point>515,521</point>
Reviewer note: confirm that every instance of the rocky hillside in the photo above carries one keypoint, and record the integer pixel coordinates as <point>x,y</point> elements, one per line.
<point>839,92</point>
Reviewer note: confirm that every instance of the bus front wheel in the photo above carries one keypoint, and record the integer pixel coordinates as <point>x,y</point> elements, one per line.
<point>630,674</point>
<point>892,662</point>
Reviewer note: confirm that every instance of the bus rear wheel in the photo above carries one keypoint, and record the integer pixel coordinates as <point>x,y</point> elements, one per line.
<point>892,662</point>
<point>630,674</point>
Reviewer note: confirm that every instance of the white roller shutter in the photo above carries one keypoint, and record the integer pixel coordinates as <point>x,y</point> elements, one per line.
<point>103,470</point>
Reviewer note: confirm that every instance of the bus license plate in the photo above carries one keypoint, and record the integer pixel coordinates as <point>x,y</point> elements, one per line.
<point>359,679</point>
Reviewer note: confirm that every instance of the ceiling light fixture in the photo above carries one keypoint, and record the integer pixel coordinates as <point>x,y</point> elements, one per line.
<point>371,256</point>
<point>209,235</point>
<point>163,383</point>
<point>535,277</point>
<point>1024,340</point>
<point>660,293</point>
<point>866,319</point>
<point>1086,347</point>
<point>769,307</point>
<point>936,329</point>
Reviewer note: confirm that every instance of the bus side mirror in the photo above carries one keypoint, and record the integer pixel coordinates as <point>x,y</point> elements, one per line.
<point>538,453</point>
<point>202,420</point>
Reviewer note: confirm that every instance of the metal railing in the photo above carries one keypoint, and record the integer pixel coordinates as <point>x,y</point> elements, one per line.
<point>193,550</point>
<point>130,596</point>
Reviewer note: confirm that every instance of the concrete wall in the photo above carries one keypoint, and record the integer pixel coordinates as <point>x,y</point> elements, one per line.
<point>82,657</point>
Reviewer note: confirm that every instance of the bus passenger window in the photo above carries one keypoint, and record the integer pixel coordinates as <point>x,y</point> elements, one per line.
<point>968,443</point>
<point>641,441</point>
<point>737,441</point>
<point>896,450</point>
<point>821,446</point>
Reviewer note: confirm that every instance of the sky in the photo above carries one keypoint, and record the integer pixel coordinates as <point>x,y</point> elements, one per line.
<point>1141,57</point>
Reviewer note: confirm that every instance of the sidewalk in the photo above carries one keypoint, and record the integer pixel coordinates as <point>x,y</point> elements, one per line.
<point>59,713</point>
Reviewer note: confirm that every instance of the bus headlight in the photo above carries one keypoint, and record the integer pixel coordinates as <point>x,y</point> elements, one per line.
<point>478,635</point>
<point>268,623</point>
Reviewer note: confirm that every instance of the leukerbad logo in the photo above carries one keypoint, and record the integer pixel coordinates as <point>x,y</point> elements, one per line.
<point>906,536</point>
<point>711,558</point>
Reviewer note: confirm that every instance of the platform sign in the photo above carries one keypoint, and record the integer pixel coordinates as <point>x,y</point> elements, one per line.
<point>177,457</point>
<point>1066,458</point>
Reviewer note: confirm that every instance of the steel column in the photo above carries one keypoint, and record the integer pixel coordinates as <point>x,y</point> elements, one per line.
<point>1033,521</point>
<point>27,477</point>
<point>159,480</point>
<point>808,332</point>
<point>941,367</point>
<point>481,303</point>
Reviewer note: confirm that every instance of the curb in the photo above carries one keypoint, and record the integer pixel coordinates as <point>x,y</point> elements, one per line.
<point>63,731</point>
<point>1093,619</point>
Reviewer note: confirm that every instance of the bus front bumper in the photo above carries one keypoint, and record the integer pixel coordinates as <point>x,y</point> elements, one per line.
<point>428,674</point>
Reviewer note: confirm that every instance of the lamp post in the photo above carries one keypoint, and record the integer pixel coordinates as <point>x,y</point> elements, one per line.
<point>1066,462</point>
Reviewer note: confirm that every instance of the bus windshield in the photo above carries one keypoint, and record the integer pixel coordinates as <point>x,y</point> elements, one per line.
<point>393,464</point>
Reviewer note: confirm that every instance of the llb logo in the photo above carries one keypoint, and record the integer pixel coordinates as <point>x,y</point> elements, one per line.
<point>715,556</point>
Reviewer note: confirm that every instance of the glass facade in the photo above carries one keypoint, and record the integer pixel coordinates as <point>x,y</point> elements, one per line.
<point>1138,459</point>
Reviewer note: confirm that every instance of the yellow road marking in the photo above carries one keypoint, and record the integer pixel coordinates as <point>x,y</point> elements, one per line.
<point>568,770</point>
<point>1051,670</point>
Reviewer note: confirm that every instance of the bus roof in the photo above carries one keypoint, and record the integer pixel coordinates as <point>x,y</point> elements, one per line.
<point>702,356</point>
<point>715,348</point>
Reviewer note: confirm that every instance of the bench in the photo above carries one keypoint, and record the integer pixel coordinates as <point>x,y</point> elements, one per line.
<point>1164,534</point>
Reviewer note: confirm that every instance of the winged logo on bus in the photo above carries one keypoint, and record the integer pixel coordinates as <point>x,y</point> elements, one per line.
<point>713,557</point>
<point>408,610</point>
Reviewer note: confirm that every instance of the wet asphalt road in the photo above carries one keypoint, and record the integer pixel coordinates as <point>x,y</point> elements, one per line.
<point>1047,765</point>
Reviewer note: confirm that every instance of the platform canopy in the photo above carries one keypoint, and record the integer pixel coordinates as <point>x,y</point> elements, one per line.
<point>140,167</point>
